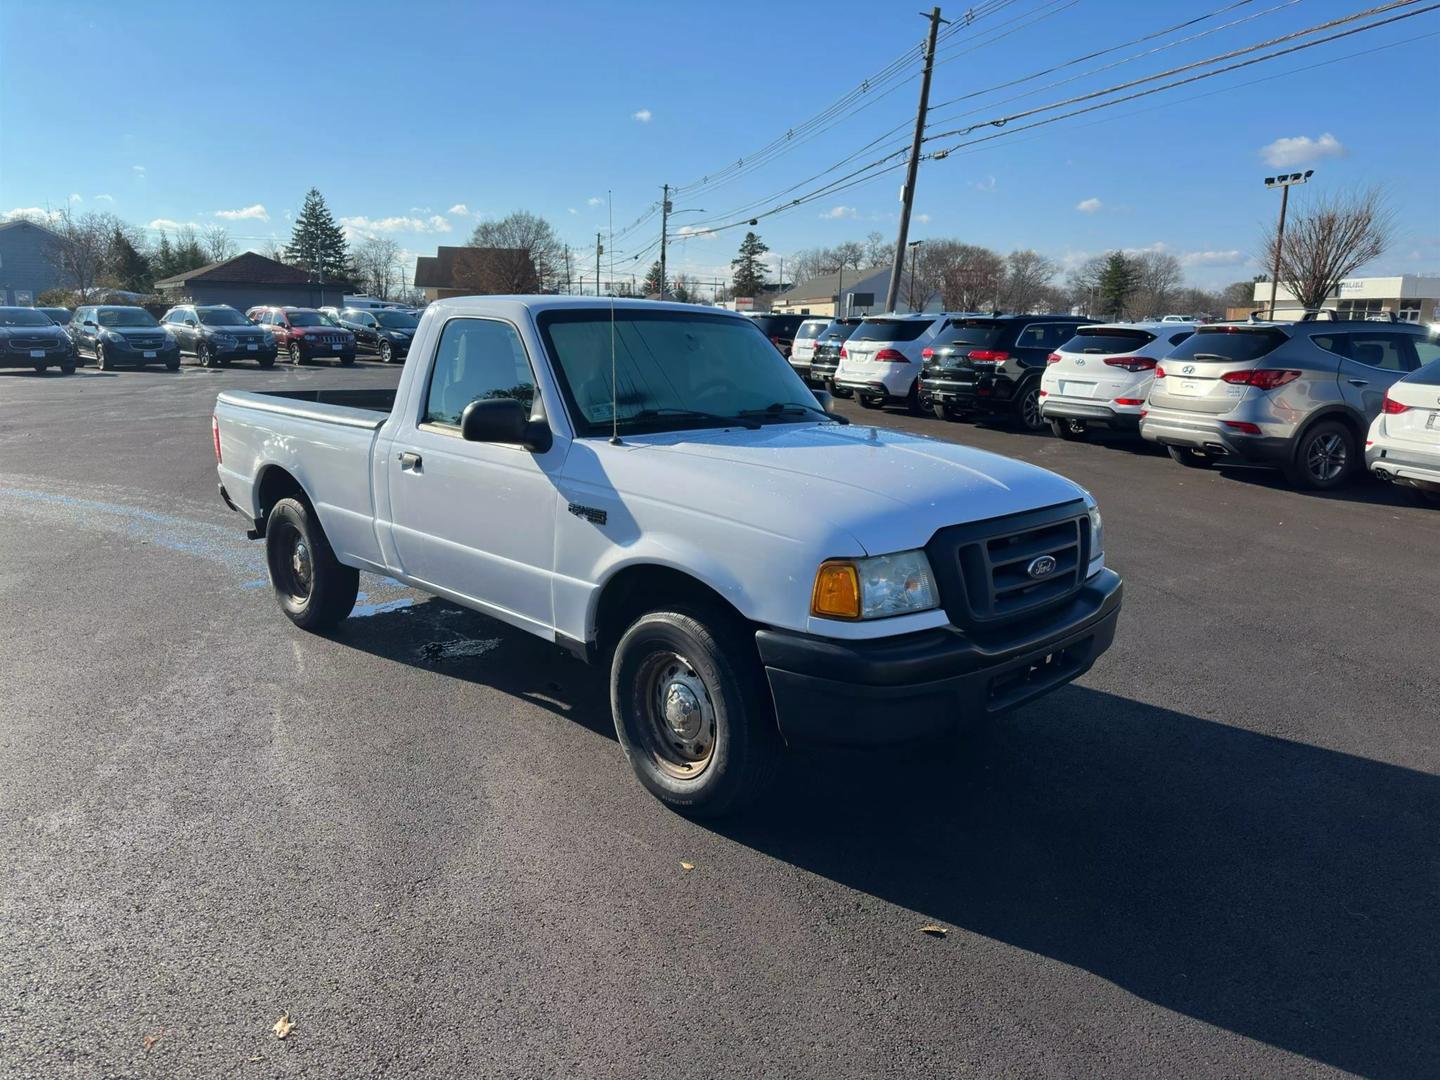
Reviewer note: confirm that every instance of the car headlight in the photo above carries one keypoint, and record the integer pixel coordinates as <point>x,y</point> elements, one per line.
<point>874,588</point>
<point>224,339</point>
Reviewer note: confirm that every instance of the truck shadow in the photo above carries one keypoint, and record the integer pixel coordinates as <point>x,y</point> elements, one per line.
<point>1281,891</point>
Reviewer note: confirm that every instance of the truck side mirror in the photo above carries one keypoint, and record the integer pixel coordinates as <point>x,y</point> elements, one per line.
<point>504,420</point>
<point>825,399</point>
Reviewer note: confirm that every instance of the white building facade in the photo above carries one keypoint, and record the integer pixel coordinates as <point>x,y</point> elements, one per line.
<point>1411,297</point>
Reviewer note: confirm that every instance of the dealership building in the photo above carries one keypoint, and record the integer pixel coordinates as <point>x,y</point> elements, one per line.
<point>1410,297</point>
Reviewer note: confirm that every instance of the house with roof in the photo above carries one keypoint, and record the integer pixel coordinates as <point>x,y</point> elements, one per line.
<point>249,279</point>
<point>29,262</point>
<point>852,292</point>
<point>471,271</point>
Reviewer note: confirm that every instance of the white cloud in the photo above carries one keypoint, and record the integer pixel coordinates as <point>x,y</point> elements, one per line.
<point>594,200</point>
<point>459,209</point>
<point>571,210</point>
<point>76,198</point>
<point>1088,206</point>
<point>1299,149</point>
<point>988,184</point>
<point>838,212</point>
<point>693,232</point>
<point>256,212</point>
<point>138,170</point>
<point>105,198</point>
<point>643,115</point>
<point>1214,258</point>
<point>171,225</point>
<point>398,224</point>
<point>421,210</point>
<point>31,213</point>
<point>923,219</point>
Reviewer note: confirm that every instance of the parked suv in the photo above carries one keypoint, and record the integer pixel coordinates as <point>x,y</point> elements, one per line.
<point>881,360</point>
<point>29,339</point>
<point>1103,374</point>
<point>1295,395</point>
<point>216,334</point>
<point>802,347</point>
<point>1403,445</point>
<point>780,329</point>
<point>826,358</point>
<point>993,364</point>
<point>304,334</point>
<point>384,332</point>
<point>119,334</point>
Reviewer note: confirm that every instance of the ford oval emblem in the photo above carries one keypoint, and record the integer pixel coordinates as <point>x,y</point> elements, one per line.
<point>1044,566</point>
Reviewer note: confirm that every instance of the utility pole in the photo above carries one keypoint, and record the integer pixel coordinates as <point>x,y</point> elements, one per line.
<point>599,250</point>
<point>1284,182</point>
<point>907,193</point>
<point>664,221</point>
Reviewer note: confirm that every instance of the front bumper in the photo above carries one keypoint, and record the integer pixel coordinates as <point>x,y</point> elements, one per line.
<point>927,684</point>
<point>1210,435</point>
<point>242,351</point>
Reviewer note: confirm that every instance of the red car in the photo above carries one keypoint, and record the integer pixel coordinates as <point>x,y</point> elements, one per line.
<point>305,334</point>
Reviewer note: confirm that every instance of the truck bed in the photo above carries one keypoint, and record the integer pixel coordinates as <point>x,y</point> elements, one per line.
<point>366,408</point>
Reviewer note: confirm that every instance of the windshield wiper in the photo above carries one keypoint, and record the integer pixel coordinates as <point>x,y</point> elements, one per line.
<point>779,408</point>
<point>651,414</point>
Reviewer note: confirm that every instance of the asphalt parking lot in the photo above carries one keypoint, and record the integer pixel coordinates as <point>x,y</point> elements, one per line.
<point>1215,855</point>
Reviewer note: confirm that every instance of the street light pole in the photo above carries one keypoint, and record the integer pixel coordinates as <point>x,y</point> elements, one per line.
<point>913,255</point>
<point>1284,182</point>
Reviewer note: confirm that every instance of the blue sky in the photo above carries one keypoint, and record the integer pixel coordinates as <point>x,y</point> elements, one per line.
<point>416,120</point>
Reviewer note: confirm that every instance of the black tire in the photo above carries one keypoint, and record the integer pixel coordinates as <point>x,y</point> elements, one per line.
<point>102,362</point>
<point>1324,458</point>
<point>912,401</point>
<point>313,588</point>
<point>869,401</point>
<point>1069,430</point>
<point>172,365</point>
<point>843,392</point>
<point>1027,409</point>
<point>296,356</point>
<point>953,413</point>
<point>203,356</point>
<point>266,362</point>
<point>39,369</point>
<point>347,359</point>
<point>387,353</point>
<point>703,655</point>
<point>67,369</point>
<point>1191,459</point>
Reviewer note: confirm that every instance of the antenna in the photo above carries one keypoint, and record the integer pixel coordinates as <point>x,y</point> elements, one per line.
<point>614,387</point>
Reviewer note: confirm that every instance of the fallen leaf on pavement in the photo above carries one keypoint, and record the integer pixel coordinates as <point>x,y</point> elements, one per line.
<point>283,1026</point>
<point>687,866</point>
<point>150,1040</point>
<point>933,930</point>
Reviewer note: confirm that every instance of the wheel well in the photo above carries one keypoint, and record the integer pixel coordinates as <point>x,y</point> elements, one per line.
<point>1353,423</point>
<point>637,589</point>
<point>275,484</point>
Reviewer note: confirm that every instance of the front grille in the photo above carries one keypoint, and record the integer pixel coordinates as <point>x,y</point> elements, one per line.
<point>984,568</point>
<point>135,341</point>
<point>24,344</point>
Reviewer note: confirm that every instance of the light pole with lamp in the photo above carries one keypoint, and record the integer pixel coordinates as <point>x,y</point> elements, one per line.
<point>1284,182</point>
<point>665,214</point>
<point>912,245</point>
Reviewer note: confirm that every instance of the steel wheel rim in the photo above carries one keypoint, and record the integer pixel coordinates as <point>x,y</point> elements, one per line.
<point>295,565</point>
<point>1326,456</point>
<point>677,721</point>
<point>1030,409</point>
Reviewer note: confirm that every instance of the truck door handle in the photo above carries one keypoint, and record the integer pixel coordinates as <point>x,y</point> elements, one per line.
<point>1359,382</point>
<point>409,462</point>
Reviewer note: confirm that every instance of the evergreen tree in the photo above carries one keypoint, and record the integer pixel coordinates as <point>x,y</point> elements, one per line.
<point>125,267</point>
<point>749,277</point>
<point>1118,281</point>
<point>653,281</point>
<point>163,261</point>
<point>316,242</point>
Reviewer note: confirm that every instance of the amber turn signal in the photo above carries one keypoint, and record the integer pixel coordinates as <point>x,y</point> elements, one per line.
<point>837,591</point>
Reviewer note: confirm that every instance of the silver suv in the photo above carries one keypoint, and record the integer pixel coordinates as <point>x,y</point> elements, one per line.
<point>1295,395</point>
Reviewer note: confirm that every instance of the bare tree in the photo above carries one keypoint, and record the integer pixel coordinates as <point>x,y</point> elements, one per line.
<point>84,244</point>
<point>878,250</point>
<point>1084,284</point>
<point>966,275</point>
<point>1328,242</point>
<point>1027,275</point>
<point>1159,277</point>
<point>528,254</point>
<point>216,243</point>
<point>377,262</point>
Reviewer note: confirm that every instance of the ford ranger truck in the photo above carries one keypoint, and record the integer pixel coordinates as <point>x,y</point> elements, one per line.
<point>652,487</point>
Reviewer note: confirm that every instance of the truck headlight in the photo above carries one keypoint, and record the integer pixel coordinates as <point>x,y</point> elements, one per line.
<point>1097,533</point>
<point>874,588</point>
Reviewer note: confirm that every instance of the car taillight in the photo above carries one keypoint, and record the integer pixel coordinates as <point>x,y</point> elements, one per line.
<point>1129,401</point>
<point>844,355</point>
<point>989,356</point>
<point>215,431</point>
<point>1391,406</point>
<point>926,353</point>
<point>1131,363</point>
<point>893,356</point>
<point>1261,378</point>
<point>1053,358</point>
<point>1242,426</point>
<point>1159,372</point>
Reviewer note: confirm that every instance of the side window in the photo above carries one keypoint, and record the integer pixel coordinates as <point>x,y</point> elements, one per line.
<point>1388,352</point>
<point>1427,349</point>
<point>477,358</point>
<point>1032,337</point>
<point>190,320</point>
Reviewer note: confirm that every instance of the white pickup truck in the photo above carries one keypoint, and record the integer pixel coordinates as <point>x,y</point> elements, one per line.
<point>651,486</point>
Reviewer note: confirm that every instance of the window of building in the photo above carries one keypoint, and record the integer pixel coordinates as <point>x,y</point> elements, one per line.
<point>1409,311</point>
<point>1359,309</point>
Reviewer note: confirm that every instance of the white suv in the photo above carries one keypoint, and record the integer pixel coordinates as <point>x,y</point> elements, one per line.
<point>802,349</point>
<point>881,361</point>
<point>1103,374</point>
<point>1403,445</point>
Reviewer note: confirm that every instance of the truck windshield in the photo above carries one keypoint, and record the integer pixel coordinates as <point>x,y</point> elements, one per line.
<point>672,370</point>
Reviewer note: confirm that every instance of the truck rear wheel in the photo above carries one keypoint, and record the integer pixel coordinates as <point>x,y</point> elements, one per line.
<point>313,588</point>
<point>692,712</point>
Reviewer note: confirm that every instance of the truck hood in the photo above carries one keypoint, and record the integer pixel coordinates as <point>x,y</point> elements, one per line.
<point>888,490</point>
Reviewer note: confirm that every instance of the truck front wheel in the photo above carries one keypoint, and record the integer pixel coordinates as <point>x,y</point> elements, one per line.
<point>692,712</point>
<point>314,589</point>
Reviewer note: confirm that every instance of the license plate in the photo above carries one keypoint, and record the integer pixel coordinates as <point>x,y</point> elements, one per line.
<point>1188,388</point>
<point>1433,424</point>
<point>37,354</point>
<point>149,354</point>
<point>253,348</point>
<point>1077,389</point>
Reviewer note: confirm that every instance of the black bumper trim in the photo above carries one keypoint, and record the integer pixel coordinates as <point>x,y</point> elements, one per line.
<point>923,685</point>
